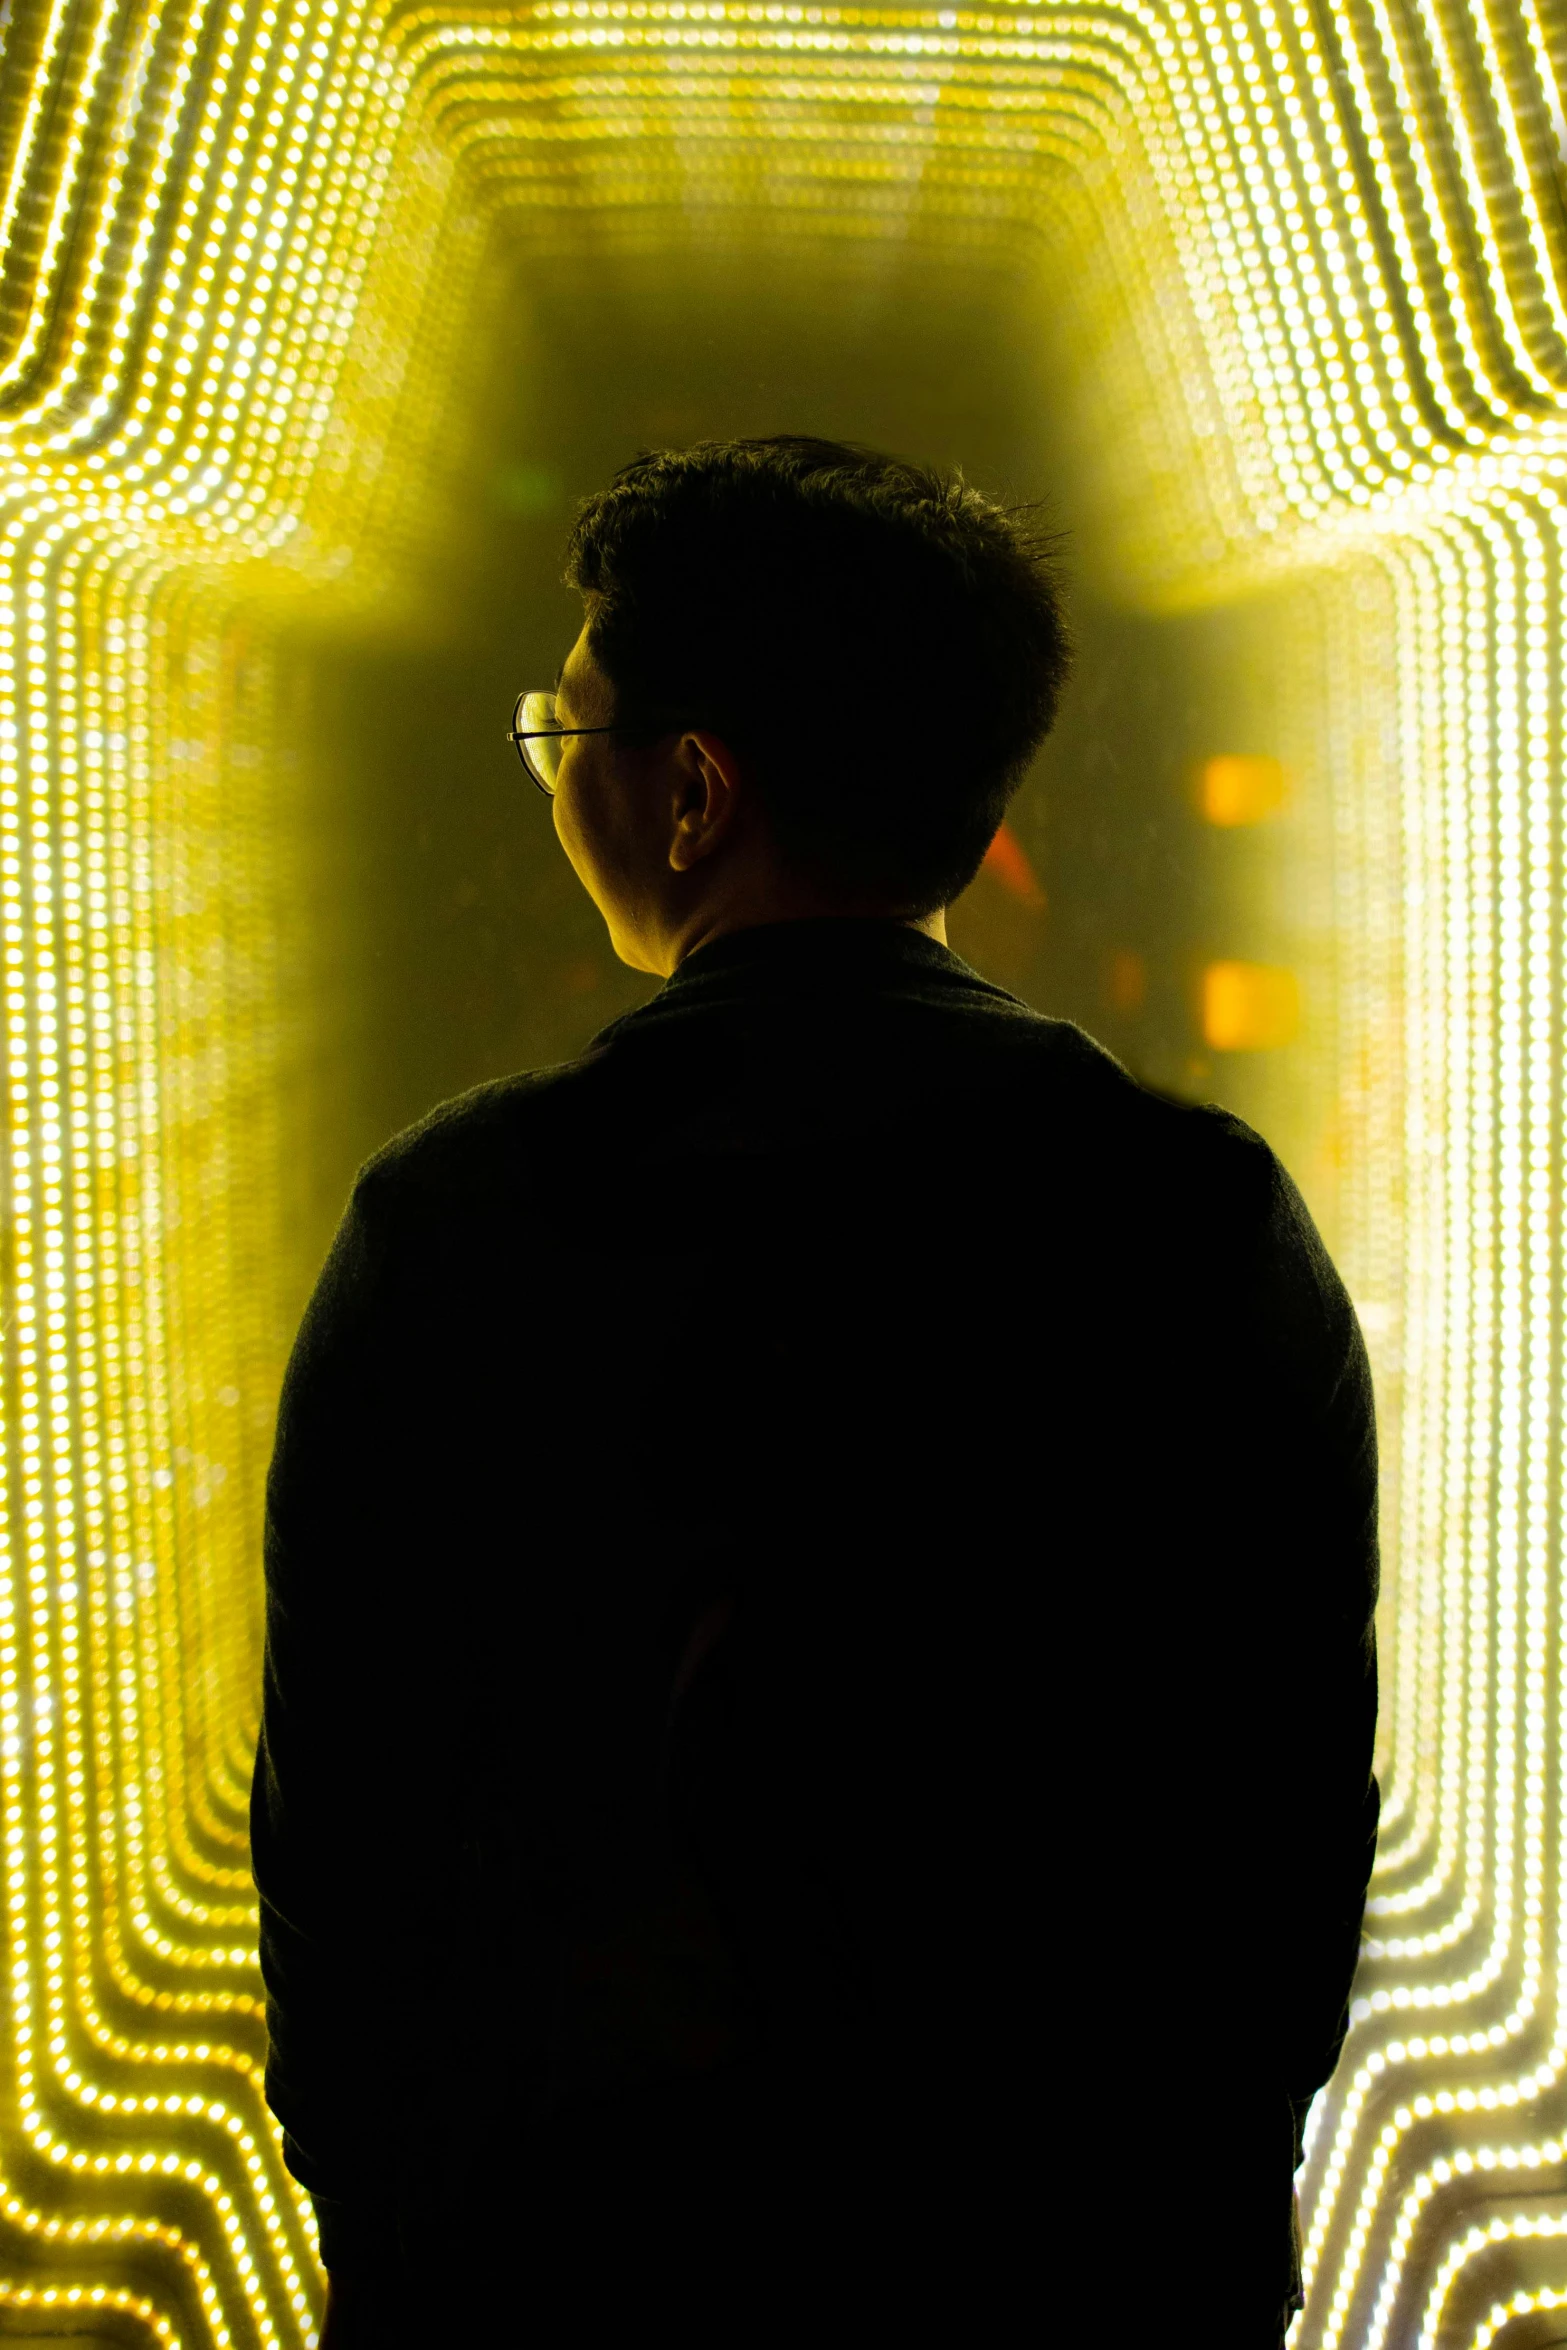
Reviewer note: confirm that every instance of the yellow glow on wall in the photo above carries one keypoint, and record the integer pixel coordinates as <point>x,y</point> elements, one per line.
<point>1306,267</point>
<point>1241,789</point>
<point>1249,1007</point>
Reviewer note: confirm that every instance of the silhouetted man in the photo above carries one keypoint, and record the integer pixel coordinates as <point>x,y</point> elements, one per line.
<point>820,1684</point>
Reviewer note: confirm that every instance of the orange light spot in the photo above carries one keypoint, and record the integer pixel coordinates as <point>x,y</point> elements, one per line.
<point>1127,981</point>
<point>1007,860</point>
<point>1236,790</point>
<point>1249,1007</point>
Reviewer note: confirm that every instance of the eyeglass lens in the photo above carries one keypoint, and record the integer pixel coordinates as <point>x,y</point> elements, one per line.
<point>541,755</point>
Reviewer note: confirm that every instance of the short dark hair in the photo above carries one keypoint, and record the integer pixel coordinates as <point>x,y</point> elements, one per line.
<point>884,645</point>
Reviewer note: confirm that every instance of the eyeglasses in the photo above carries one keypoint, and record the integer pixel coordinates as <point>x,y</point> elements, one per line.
<point>538,735</point>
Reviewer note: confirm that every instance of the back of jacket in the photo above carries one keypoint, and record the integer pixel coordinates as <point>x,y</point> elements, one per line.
<point>820,1679</point>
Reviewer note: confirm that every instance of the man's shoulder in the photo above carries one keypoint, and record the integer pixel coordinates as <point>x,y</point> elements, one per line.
<point>483,1138</point>
<point>1125,1154</point>
<point>1018,1080</point>
<point>1062,1073</point>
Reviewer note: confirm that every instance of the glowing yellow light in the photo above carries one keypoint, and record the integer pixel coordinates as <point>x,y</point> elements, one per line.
<point>1249,1007</point>
<point>1235,789</point>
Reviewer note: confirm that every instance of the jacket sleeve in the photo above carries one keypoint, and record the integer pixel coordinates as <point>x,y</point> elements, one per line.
<point>1312,1433</point>
<point>324,1809</point>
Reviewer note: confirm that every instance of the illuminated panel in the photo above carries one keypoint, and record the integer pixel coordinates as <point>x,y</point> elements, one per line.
<point>1300,269</point>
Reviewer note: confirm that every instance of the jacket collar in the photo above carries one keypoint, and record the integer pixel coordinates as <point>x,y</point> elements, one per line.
<point>829,951</point>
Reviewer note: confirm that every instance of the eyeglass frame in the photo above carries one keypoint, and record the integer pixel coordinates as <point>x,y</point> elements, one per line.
<point>532,734</point>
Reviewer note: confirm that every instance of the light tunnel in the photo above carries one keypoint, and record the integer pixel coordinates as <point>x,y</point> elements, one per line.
<point>315,317</point>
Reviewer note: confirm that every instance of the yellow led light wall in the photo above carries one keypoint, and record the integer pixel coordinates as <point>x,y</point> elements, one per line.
<point>1300,270</point>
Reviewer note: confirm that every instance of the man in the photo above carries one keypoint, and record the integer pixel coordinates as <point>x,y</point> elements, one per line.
<point>820,1680</point>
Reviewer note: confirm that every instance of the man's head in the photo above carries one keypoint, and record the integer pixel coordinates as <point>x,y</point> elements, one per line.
<point>828,671</point>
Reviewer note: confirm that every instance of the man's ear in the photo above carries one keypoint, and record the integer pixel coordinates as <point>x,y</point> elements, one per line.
<point>711,788</point>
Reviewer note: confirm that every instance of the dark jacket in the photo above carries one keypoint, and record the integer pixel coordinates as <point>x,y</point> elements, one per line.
<point>819,1666</point>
